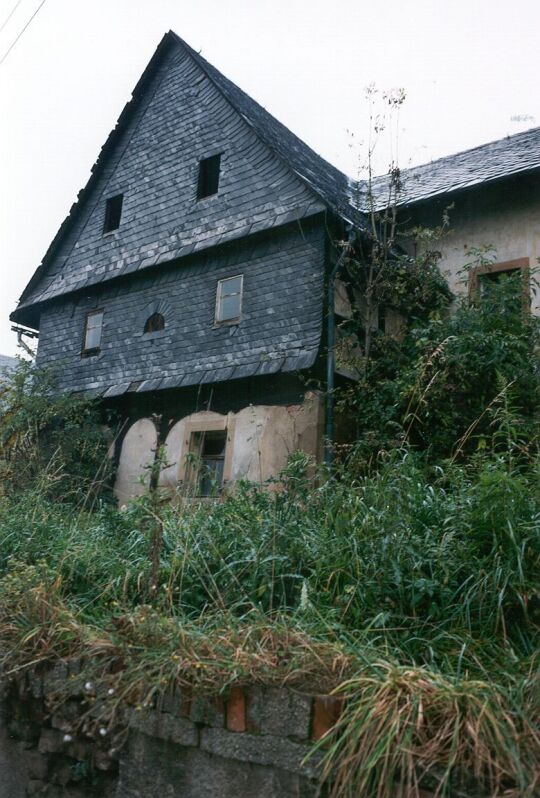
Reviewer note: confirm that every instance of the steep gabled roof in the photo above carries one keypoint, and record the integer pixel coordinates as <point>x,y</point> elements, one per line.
<point>326,182</point>
<point>513,155</point>
<point>331,185</point>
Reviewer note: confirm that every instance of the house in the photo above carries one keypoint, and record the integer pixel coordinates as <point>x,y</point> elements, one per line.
<point>192,286</point>
<point>493,196</point>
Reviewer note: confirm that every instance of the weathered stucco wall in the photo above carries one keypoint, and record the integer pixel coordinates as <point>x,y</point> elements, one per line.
<point>261,436</point>
<point>505,216</point>
<point>136,457</point>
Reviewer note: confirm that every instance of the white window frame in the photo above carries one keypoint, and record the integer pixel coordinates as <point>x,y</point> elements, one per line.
<point>240,293</point>
<point>98,312</point>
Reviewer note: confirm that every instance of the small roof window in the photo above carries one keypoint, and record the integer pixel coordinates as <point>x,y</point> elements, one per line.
<point>113,213</point>
<point>208,182</point>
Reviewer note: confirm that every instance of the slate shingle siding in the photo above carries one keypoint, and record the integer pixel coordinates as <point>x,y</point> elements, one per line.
<point>182,119</point>
<point>280,328</point>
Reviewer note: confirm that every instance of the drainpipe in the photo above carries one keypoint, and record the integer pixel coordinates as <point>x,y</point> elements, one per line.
<point>330,355</point>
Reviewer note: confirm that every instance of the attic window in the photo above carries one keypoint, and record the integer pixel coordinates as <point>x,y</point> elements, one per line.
<point>208,182</point>
<point>154,323</point>
<point>113,212</point>
<point>93,328</point>
<point>229,299</point>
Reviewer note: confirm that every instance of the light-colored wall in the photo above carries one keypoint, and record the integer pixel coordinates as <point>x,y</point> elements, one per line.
<point>264,436</point>
<point>136,456</point>
<point>505,216</point>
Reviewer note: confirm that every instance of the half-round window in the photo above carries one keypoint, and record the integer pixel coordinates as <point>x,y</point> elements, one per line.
<point>154,323</point>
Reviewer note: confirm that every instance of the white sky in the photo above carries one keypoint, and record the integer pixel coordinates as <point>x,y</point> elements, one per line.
<point>468,67</point>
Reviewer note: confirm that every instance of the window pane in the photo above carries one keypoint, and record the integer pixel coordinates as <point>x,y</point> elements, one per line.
<point>229,307</point>
<point>214,443</point>
<point>232,285</point>
<point>94,326</point>
<point>211,476</point>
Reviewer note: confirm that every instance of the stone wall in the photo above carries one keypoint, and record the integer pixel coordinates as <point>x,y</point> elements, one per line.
<point>250,743</point>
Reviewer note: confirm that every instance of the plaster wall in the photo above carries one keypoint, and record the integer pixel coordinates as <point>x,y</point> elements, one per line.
<point>505,217</point>
<point>262,438</point>
<point>136,456</point>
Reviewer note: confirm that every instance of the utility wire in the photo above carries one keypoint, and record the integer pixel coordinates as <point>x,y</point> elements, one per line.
<point>13,10</point>
<point>12,45</point>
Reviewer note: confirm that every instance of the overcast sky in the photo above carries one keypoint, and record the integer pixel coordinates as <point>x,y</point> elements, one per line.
<point>469,67</point>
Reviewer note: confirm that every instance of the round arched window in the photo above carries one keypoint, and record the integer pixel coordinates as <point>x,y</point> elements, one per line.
<point>154,323</point>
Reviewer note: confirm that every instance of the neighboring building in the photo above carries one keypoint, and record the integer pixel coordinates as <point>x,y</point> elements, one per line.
<point>7,364</point>
<point>186,288</point>
<point>493,196</point>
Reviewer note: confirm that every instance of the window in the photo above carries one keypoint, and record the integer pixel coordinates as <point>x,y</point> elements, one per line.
<point>515,271</point>
<point>154,323</point>
<point>206,457</point>
<point>209,461</point>
<point>229,299</point>
<point>93,328</point>
<point>113,212</point>
<point>208,176</point>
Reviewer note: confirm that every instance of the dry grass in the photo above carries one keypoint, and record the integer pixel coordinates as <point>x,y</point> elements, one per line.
<point>401,725</point>
<point>413,727</point>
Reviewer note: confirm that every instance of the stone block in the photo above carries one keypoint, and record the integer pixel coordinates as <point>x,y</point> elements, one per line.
<point>280,712</point>
<point>54,680</point>
<point>165,727</point>
<point>36,787</point>
<point>51,741</point>
<point>62,773</point>
<point>35,684</point>
<point>36,764</point>
<point>210,711</point>
<point>154,769</point>
<point>273,751</point>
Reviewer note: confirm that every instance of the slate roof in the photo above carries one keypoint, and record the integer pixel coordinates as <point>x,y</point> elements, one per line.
<point>517,154</point>
<point>327,182</point>
<point>509,156</point>
<point>332,185</point>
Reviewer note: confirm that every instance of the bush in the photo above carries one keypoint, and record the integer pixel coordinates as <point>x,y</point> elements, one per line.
<point>51,441</point>
<point>441,388</point>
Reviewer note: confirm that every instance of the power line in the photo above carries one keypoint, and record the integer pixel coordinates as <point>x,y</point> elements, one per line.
<point>13,10</point>
<point>12,45</point>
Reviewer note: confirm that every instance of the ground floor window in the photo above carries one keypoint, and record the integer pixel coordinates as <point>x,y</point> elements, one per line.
<point>209,450</point>
<point>206,459</point>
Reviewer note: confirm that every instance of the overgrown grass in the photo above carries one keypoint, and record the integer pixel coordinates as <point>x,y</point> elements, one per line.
<point>413,591</point>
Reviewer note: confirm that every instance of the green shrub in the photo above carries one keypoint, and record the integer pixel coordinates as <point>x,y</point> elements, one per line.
<point>48,440</point>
